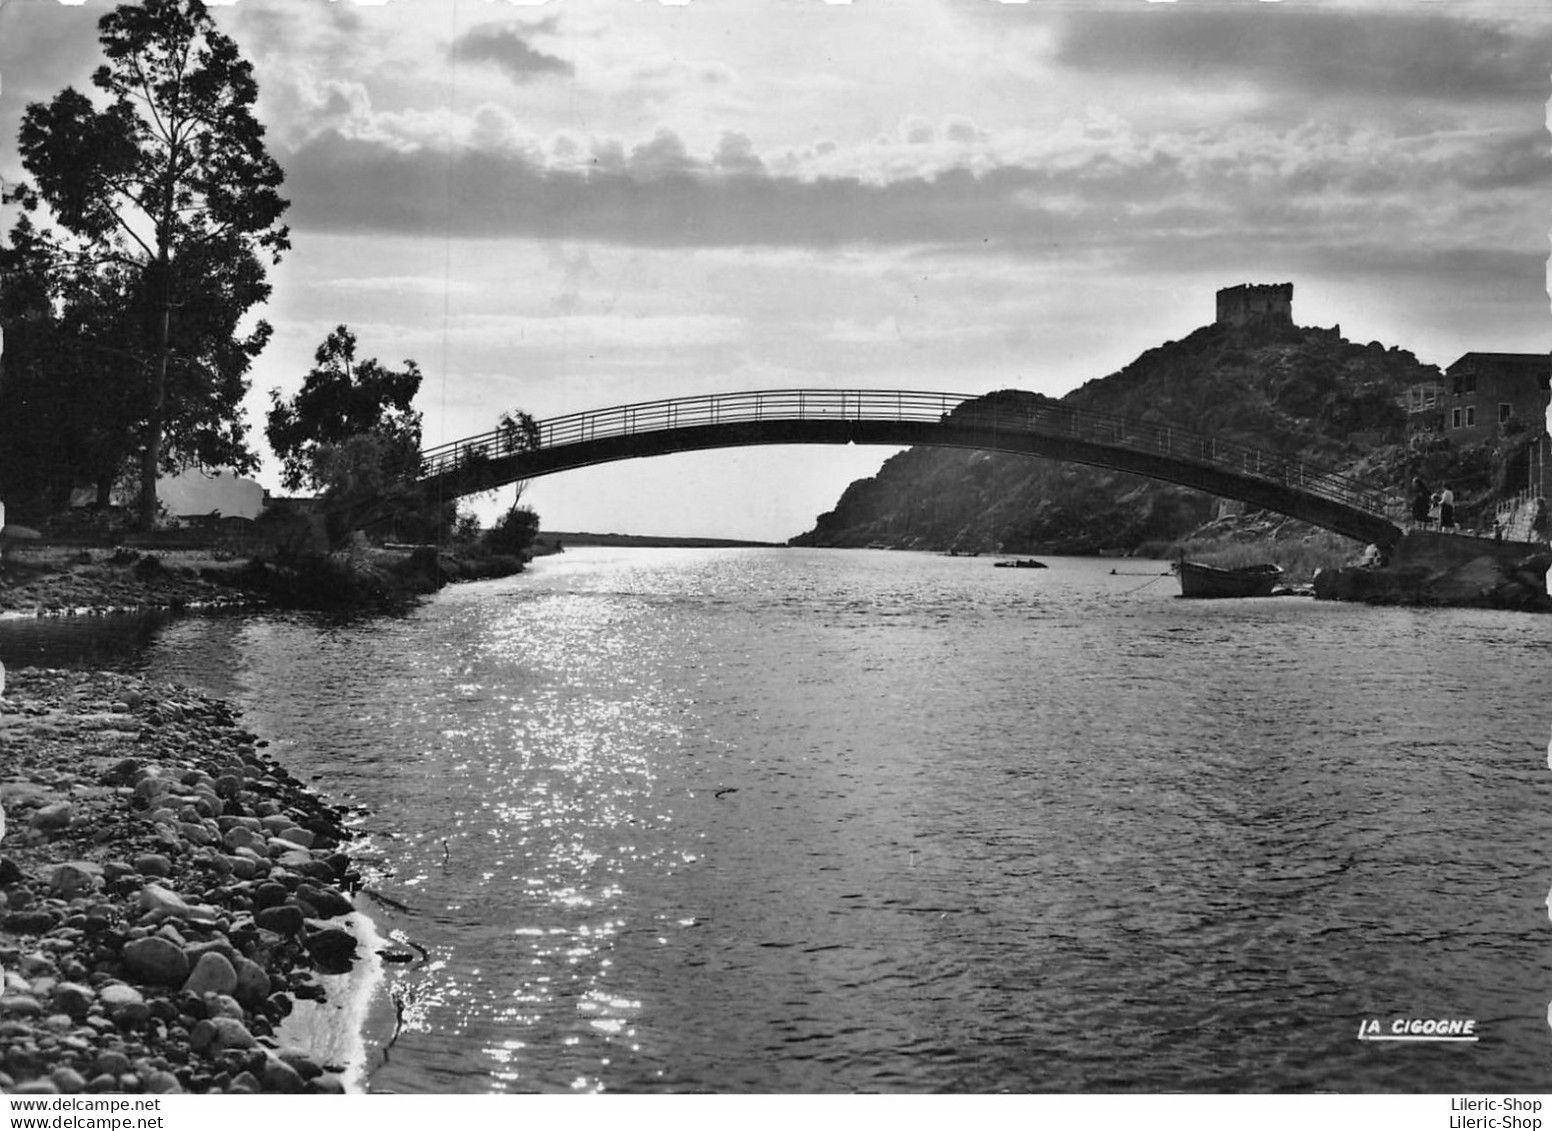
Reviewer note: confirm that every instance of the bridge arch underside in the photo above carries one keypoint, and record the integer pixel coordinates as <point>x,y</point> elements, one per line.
<point>1283,499</point>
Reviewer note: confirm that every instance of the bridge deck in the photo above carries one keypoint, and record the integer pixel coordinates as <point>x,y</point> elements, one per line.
<point>1012,424</point>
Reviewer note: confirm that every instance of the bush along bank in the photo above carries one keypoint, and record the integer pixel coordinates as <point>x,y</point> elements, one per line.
<point>371,581</point>
<point>167,894</point>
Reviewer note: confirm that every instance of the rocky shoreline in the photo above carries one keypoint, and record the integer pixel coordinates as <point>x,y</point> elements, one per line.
<point>1429,570</point>
<point>168,894</point>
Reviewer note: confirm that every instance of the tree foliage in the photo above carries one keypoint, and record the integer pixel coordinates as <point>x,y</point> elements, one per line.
<point>341,399</point>
<point>513,533</point>
<point>167,207</point>
<point>518,432</point>
<point>352,434</point>
<point>69,403</point>
<point>368,486</point>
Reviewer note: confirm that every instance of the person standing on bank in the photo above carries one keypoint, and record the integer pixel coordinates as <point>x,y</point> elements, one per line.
<point>1446,508</point>
<point>1421,503</point>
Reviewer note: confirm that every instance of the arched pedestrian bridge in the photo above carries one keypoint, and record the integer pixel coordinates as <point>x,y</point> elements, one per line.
<point>1019,423</point>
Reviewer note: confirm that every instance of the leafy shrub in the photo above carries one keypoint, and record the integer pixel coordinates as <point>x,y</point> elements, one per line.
<point>513,533</point>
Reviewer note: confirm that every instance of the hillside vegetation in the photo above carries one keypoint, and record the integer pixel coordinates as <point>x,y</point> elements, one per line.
<point>1279,387</point>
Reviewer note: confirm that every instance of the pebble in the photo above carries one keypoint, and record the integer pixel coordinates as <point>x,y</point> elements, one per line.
<point>156,959</point>
<point>223,1005</point>
<point>149,788</point>
<point>153,864</point>
<point>285,919</point>
<point>163,902</point>
<point>253,984</point>
<point>328,903</point>
<point>270,894</point>
<point>68,1080</point>
<point>117,993</point>
<point>295,835</point>
<point>196,832</point>
<point>278,1076</point>
<point>74,998</point>
<point>333,949</point>
<point>132,1015</point>
<point>52,818</point>
<point>243,867</point>
<point>161,1083</point>
<point>213,974</point>
<point>22,1005</point>
<point>298,1059</point>
<point>111,1062</point>
<point>240,836</point>
<point>31,922</point>
<point>221,1033</point>
<point>41,1087</point>
<point>297,859</point>
<point>75,877</point>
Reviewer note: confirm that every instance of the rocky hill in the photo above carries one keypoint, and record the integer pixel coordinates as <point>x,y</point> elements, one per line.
<point>1276,386</point>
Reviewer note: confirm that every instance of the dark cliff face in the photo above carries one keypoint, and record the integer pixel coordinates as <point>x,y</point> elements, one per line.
<point>1282,388</point>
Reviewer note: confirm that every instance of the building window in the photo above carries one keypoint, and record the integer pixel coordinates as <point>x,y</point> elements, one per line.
<point>1505,411</point>
<point>1471,416</point>
<point>1454,418</point>
<point>1471,383</point>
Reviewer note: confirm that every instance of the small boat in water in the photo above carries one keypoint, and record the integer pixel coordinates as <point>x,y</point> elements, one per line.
<point>1020,563</point>
<point>1198,580</point>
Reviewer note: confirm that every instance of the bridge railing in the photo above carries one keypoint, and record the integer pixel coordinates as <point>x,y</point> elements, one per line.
<point>995,415</point>
<point>685,412</point>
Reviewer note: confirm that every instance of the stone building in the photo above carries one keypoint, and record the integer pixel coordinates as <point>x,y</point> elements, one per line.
<point>1484,395</point>
<point>1256,302</point>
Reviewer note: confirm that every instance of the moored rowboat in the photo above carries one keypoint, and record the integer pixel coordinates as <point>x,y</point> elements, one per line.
<point>1198,580</point>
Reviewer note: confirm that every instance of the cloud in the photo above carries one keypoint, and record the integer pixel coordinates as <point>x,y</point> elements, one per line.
<point>65,36</point>
<point>268,27</point>
<point>503,46</point>
<point>1314,192</point>
<point>663,156</point>
<point>658,195</point>
<point>1401,54</point>
<point>396,284</point>
<point>735,154</point>
<point>1512,160</point>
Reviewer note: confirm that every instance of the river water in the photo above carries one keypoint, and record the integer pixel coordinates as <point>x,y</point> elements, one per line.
<point>817,821</point>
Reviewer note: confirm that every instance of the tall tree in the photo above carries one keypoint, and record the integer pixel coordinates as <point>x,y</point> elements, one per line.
<point>342,398</point>
<point>169,183</point>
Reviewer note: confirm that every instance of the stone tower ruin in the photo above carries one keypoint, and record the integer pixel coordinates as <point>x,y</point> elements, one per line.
<point>1256,302</point>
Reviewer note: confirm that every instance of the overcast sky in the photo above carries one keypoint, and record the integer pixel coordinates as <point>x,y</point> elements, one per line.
<point>588,202</point>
